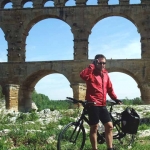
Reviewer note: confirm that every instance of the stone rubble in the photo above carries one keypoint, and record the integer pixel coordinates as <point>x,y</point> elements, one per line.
<point>46,116</point>
<point>144,113</point>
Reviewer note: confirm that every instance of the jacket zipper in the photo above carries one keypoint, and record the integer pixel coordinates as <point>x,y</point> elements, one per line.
<point>102,76</point>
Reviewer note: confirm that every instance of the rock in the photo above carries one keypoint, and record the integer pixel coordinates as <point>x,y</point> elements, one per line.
<point>34,107</point>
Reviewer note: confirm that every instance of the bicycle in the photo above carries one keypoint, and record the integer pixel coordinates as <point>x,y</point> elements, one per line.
<point>73,135</point>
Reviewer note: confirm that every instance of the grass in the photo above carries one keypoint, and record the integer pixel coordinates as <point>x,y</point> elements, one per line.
<point>27,133</point>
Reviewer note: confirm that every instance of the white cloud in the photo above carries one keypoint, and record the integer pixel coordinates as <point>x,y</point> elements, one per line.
<point>130,50</point>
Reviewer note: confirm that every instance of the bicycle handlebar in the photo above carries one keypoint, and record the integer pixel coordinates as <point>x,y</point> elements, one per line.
<point>74,100</point>
<point>80,101</point>
<point>86,102</point>
<point>113,102</point>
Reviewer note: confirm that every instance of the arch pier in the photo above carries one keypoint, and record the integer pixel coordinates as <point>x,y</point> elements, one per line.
<point>19,77</point>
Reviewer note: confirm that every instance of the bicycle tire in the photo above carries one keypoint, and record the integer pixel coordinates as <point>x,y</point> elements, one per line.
<point>65,143</point>
<point>125,141</point>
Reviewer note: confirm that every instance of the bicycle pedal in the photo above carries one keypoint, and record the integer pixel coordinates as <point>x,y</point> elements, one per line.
<point>121,134</point>
<point>101,140</point>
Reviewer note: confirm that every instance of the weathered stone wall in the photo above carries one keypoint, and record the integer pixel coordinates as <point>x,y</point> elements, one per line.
<point>17,21</point>
<point>11,96</point>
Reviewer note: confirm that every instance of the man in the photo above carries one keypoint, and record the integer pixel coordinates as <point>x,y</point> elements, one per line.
<point>98,85</point>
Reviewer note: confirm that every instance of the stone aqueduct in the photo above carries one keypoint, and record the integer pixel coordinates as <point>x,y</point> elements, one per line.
<point>18,77</point>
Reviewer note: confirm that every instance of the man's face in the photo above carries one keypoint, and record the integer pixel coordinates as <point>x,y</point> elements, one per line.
<point>101,64</point>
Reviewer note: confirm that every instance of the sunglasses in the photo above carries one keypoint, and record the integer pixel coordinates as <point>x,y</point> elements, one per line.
<point>100,63</point>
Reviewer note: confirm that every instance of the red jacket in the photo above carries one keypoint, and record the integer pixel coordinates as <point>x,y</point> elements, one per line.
<point>97,85</point>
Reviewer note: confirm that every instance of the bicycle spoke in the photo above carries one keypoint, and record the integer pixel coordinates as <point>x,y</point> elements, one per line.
<point>71,137</point>
<point>125,142</point>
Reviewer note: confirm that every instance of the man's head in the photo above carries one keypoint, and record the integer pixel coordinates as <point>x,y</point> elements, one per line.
<point>100,62</point>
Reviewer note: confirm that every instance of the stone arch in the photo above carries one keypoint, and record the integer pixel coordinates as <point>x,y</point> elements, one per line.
<point>117,15</point>
<point>112,2</point>
<point>4,3</point>
<point>23,2</point>
<point>2,29</point>
<point>1,91</point>
<point>125,16</point>
<point>49,2</point>
<point>32,79</point>
<point>113,34</point>
<point>127,72</point>
<point>3,51</point>
<point>27,88</point>
<point>81,18</point>
<point>36,20</point>
<point>91,2</point>
<point>122,70</point>
<point>70,3</point>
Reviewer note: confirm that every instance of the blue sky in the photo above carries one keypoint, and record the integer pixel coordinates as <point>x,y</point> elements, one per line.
<point>52,39</point>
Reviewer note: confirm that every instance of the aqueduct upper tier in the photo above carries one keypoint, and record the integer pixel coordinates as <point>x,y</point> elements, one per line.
<point>18,77</point>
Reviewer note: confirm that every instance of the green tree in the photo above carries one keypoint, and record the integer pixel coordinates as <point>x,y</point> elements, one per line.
<point>135,101</point>
<point>42,102</point>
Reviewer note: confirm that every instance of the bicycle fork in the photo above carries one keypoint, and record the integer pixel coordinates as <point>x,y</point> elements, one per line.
<point>75,133</point>
<point>120,134</point>
<point>100,137</point>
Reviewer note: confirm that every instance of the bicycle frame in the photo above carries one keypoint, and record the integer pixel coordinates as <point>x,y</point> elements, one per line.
<point>116,124</point>
<point>101,136</point>
<point>78,128</point>
<point>79,123</point>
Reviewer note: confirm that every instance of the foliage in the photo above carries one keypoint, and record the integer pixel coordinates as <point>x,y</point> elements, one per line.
<point>66,120</point>
<point>22,117</point>
<point>33,116</point>
<point>144,126</point>
<point>43,102</point>
<point>135,101</point>
<point>25,135</point>
<point>30,139</point>
<point>4,143</point>
<point>40,100</point>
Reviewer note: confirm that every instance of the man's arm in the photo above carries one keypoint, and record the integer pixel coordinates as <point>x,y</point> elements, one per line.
<point>86,74</point>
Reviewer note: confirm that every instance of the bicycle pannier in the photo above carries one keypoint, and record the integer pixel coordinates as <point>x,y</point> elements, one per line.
<point>130,121</point>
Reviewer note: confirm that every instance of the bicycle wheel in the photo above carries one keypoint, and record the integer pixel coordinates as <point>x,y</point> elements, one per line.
<point>71,137</point>
<point>125,142</point>
<point>122,141</point>
<point>128,140</point>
